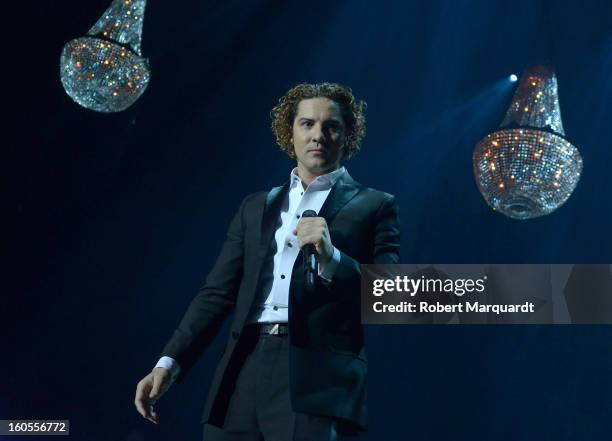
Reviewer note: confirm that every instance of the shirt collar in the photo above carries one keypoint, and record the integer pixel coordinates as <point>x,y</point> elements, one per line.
<point>320,182</point>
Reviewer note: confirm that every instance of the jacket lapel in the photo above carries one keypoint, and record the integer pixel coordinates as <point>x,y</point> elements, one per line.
<point>341,193</point>
<point>274,201</point>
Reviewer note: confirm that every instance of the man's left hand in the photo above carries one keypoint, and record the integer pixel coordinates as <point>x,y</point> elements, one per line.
<point>313,230</point>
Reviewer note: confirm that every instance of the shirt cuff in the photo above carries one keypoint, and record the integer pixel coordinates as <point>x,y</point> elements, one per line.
<point>328,271</point>
<point>171,364</point>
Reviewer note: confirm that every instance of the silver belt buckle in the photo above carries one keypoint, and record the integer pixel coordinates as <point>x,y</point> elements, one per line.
<point>274,330</point>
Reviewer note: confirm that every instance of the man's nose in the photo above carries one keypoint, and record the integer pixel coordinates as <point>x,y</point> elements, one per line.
<point>317,133</point>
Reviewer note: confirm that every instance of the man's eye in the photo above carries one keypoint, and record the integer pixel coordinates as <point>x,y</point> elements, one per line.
<point>307,123</point>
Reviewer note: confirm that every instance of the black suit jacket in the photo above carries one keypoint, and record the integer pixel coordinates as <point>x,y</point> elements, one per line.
<point>328,363</point>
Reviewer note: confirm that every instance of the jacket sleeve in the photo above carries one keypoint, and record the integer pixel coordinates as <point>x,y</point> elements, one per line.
<point>213,302</point>
<point>347,278</point>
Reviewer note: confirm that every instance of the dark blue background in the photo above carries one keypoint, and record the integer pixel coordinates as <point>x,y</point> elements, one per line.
<point>113,221</point>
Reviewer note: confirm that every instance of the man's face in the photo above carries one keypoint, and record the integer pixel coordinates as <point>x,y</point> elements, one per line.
<point>318,135</point>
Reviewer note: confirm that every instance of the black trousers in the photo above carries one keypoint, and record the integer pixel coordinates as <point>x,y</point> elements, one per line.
<point>259,407</point>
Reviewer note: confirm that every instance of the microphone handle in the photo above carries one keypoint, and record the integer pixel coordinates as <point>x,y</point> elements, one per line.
<point>310,266</point>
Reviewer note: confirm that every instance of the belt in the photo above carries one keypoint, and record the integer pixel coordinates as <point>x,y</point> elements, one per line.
<point>273,328</point>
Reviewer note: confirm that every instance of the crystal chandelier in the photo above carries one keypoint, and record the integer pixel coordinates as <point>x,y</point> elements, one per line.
<point>104,70</point>
<point>528,168</point>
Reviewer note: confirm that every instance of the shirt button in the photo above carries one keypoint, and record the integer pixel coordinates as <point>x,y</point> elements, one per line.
<point>302,194</point>
<point>282,276</point>
<point>289,244</point>
<point>297,215</point>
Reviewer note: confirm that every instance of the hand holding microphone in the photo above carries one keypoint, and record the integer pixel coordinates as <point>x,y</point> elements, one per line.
<point>313,239</point>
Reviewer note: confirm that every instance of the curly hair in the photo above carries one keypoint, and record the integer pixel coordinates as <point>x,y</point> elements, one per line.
<point>352,111</point>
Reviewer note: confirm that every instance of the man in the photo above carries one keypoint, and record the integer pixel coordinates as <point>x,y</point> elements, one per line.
<point>294,367</point>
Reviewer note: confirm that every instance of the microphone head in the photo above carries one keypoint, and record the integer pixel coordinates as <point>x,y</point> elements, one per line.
<point>309,213</point>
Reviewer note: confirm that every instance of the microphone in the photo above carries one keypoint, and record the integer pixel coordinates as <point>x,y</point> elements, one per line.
<point>311,269</point>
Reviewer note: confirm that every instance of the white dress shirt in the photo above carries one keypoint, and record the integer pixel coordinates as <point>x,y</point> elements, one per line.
<point>272,303</point>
